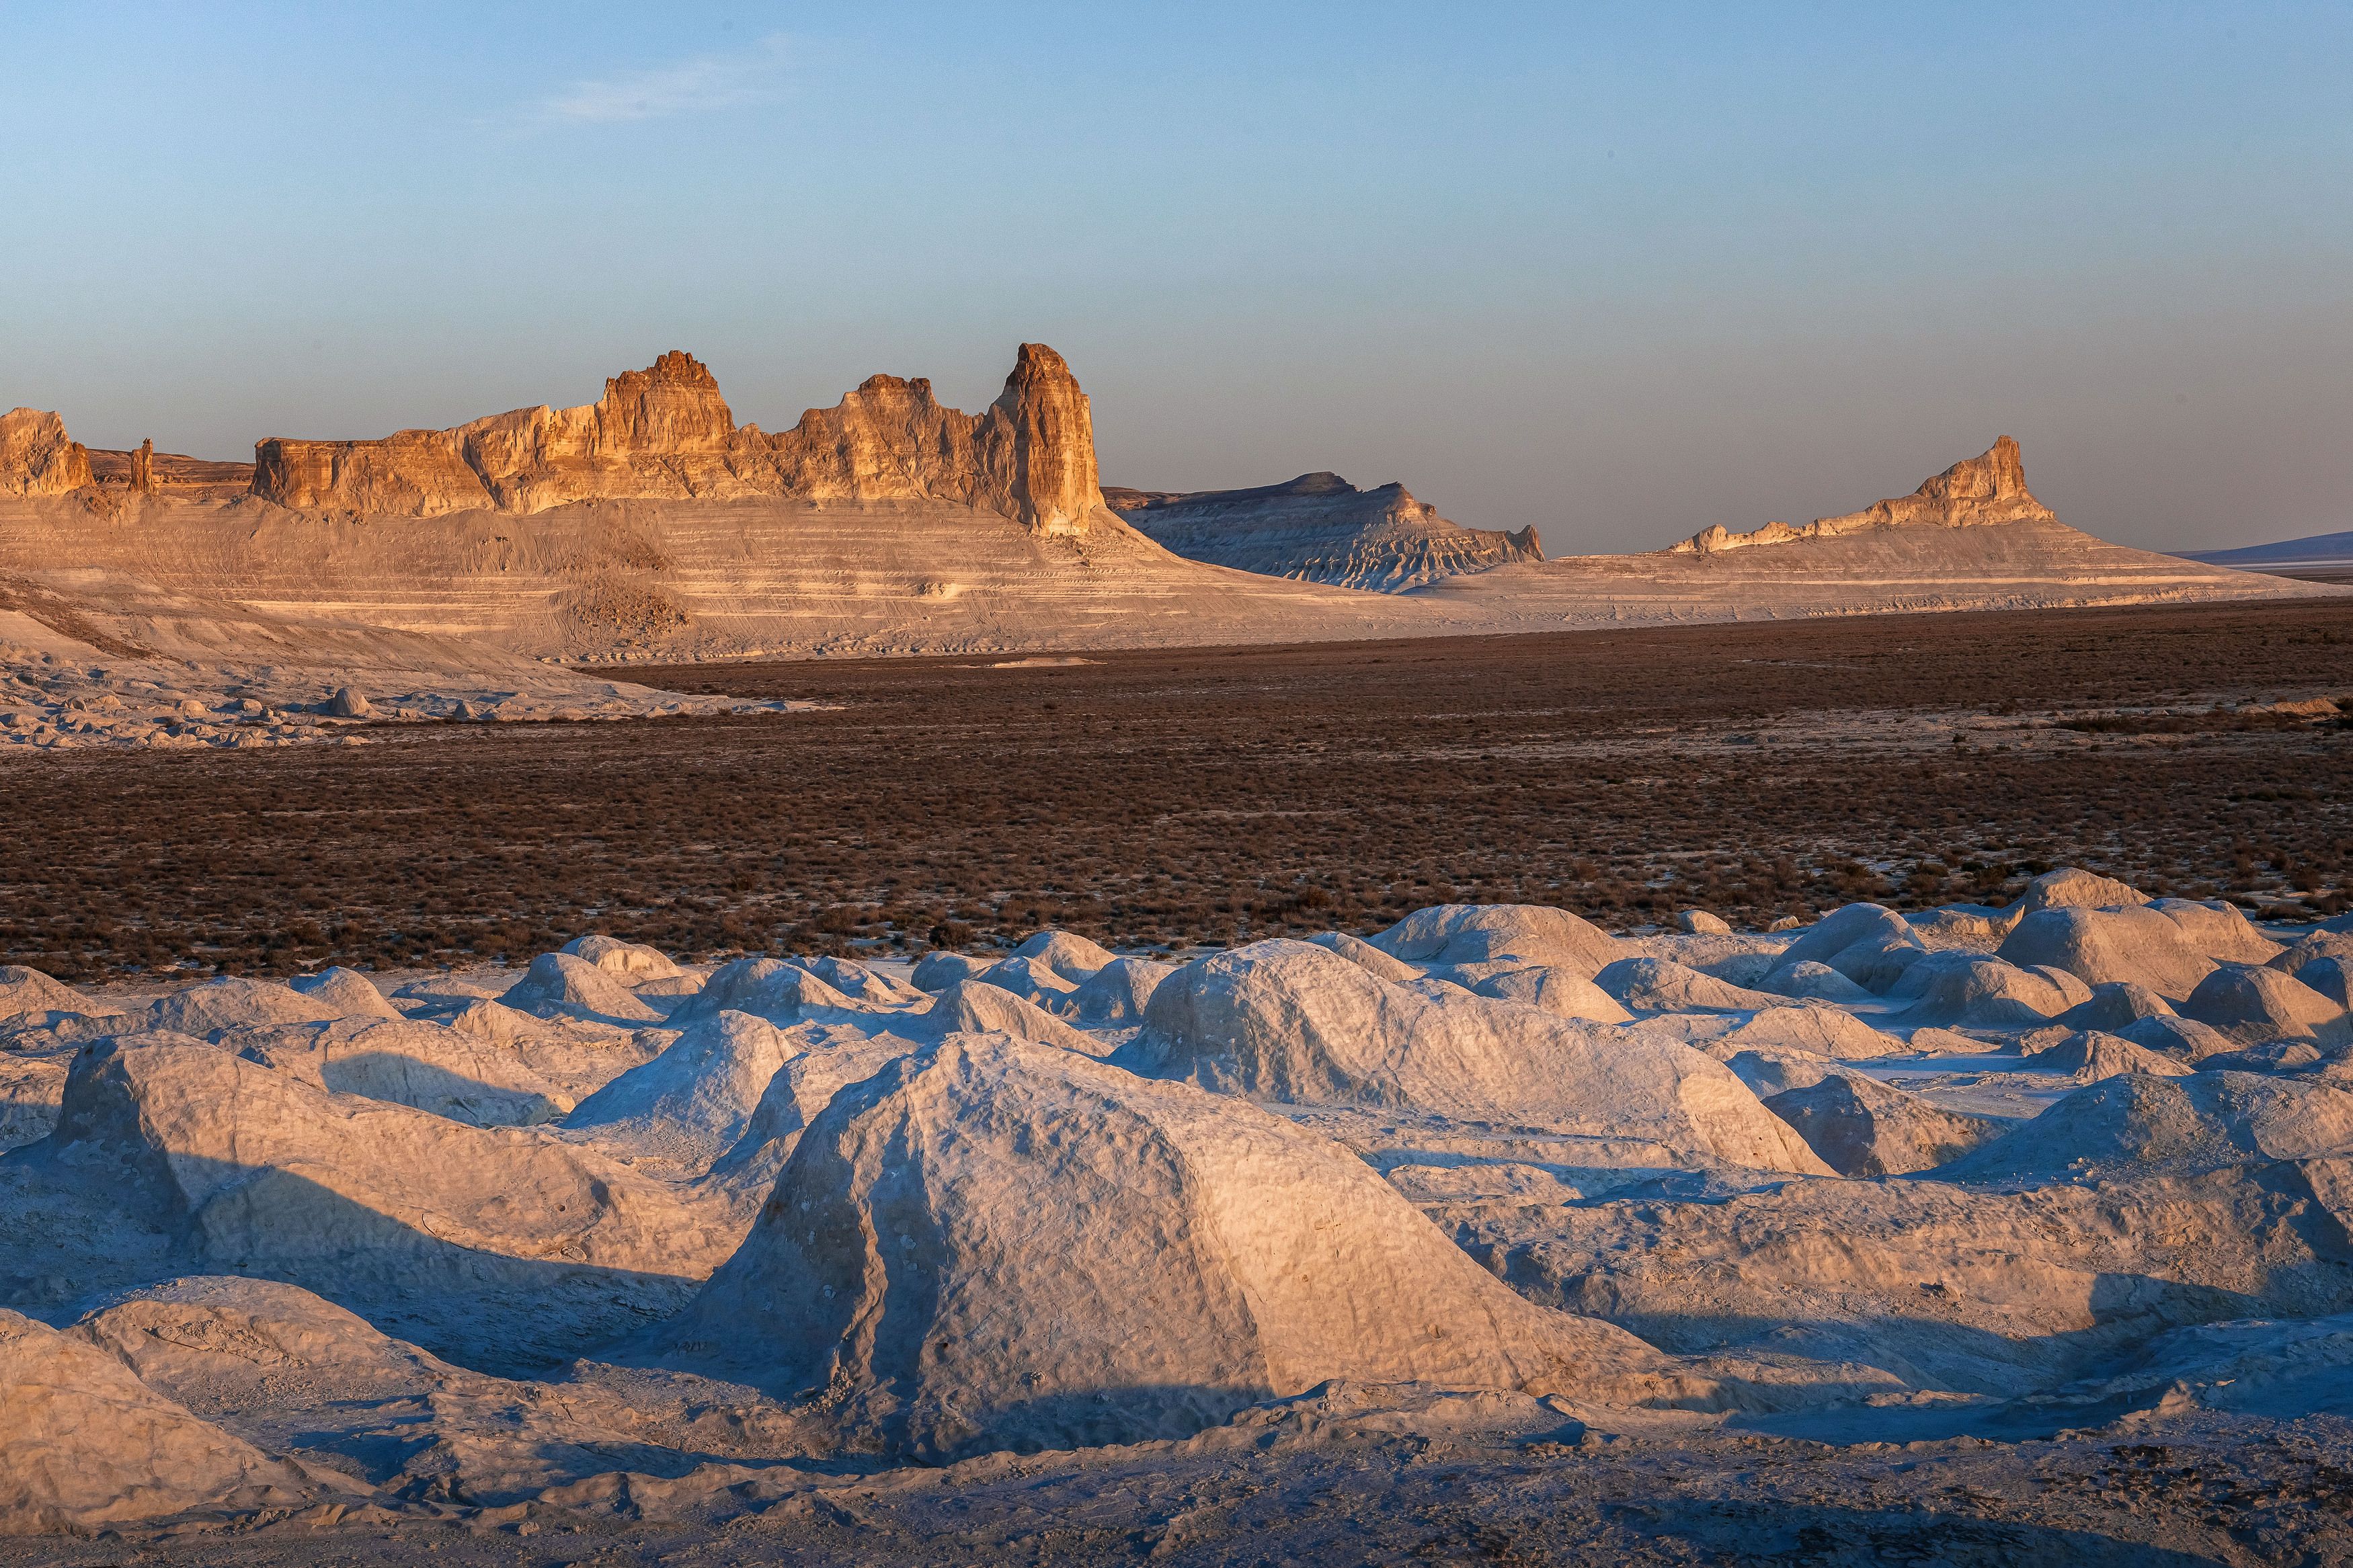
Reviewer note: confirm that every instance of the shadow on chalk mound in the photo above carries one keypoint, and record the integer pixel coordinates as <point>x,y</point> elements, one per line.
<point>490,1313</point>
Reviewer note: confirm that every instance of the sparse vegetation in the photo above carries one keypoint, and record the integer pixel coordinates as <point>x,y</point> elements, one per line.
<point>1219,795</point>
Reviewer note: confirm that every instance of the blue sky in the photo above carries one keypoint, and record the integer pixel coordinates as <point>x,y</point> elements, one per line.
<point>1617,271</point>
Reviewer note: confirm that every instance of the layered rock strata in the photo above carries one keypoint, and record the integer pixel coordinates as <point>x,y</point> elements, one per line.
<point>38,458</point>
<point>665,433</point>
<point>1975,493</point>
<point>1319,528</point>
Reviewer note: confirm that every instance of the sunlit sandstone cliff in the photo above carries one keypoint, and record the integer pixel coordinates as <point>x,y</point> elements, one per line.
<point>1975,493</point>
<point>36,456</point>
<point>666,434</point>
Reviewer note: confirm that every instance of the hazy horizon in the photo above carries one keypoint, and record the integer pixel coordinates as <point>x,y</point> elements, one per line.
<point>1619,275</point>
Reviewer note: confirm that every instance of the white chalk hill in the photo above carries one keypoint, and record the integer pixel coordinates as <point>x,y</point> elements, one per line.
<point>999,1244</point>
<point>1295,1023</point>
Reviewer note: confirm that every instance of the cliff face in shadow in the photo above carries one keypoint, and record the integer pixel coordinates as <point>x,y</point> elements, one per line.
<point>1319,528</point>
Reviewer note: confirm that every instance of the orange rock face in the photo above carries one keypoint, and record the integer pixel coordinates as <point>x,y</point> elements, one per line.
<point>1973,493</point>
<point>666,433</point>
<point>1987,489</point>
<point>38,458</point>
<point>1042,466</point>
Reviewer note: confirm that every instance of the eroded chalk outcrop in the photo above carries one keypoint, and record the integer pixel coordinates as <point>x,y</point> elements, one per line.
<point>1319,528</point>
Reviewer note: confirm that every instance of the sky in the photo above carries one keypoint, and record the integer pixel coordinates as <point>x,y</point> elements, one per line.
<point>1620,272</point>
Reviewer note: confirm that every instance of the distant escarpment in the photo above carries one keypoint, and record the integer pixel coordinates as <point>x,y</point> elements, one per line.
<point>1975,493</point>
<point>38,458</point>
<point>144,471</point>
<point>1319,528</point>
<point>666,434</point>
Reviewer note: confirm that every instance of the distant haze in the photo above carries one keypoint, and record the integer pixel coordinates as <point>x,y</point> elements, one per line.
<point>1619,274</point>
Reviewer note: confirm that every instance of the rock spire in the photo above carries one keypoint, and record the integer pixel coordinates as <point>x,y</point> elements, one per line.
<point>1973,493</point>
<point>665,433</point>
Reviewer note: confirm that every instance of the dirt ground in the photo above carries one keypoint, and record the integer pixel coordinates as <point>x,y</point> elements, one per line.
<point>1210,795</point>
<point>2207,1489</point>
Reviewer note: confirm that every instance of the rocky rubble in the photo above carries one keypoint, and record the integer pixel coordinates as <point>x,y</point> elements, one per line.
<point>61,703</point>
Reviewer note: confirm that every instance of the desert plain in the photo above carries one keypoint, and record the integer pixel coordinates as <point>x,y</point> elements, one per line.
<point>604,984</point>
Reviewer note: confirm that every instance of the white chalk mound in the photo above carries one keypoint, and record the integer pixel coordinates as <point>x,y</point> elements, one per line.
<point>221,1005</point>
<point>1808,980</point>
<point>32,1000</point>
<point>2144,1125</point>
<point>2255,1005</point>
<point>630,961</point>
<point>828,1057</point>
<point>2115,1004</point>
<point>564,985</point>
<point>1288,1021</point>
<point>690,1104</point>
<point>1663,986</point>
<point>1481,933</point>
<point>2089,1056</point>
<point>1970,990</point>
<point>941,968</point>
<point>1549,988</point>
<point>257,1168</point>
<point>996,1244</point>
<point>2167,945</point>
<point>768,988</point>
<point>859,982</point>
<point>450,1072</point>
<point>1869,944</point>
<point>1065,954</point>
<point>84,1444</point>
<point>1114,997</point>
<point>349,992</point>
<point>1364,955</point>
<point>1031,979</point>
<point>982,1006</point>
<point>1862,1127</point>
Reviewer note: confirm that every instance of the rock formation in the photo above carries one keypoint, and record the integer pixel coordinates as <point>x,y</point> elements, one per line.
<point>1325,1210</point>
<point>38,458</point>
<point>665,433</point>
<point>1319,528</point>
<point>171,476</point>
<point>1973,493</point>
<point>996,1244</point>
<point>453,563</point>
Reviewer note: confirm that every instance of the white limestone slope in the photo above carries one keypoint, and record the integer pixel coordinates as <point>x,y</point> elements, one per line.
<point>1318,528</point>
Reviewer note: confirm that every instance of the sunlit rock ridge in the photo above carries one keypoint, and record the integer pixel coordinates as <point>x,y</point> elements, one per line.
<point>652,526</point>
<point>666,433</point>
<point>1976,492</point>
